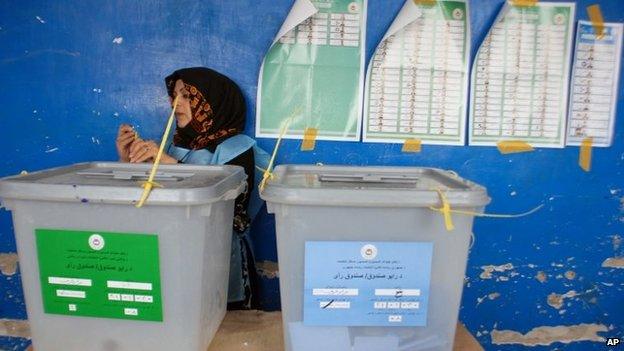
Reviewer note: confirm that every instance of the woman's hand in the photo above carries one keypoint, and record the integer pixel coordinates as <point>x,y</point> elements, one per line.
<point>125,137</point>
<point>146,151</point>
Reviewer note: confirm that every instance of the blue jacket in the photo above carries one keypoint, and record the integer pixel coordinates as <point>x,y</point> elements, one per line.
<point>224,153</point>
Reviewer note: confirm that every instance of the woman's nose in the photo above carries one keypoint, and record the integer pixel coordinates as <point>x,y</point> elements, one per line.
<point>172,101</point>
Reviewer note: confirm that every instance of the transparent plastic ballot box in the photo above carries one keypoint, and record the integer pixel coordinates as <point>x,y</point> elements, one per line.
<point>100,274</point>
<point>366,262</point>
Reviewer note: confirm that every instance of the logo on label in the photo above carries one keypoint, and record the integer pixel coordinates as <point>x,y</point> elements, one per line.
<point>354,7</point>
<point>458,14</point>
<point>613,341</point>
<point>395,319</point>
<point>559,19</point>
<point>96,242</point>
<point>368,252</point>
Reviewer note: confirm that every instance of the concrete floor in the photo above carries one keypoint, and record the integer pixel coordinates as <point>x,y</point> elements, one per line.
<point>262,331</point>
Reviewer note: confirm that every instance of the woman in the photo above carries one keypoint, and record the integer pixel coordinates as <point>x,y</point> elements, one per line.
<point>210,119</point>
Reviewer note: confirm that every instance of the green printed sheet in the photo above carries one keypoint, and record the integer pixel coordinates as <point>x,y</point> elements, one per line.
<point>314,72</point>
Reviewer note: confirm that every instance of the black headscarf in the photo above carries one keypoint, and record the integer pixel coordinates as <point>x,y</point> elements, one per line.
<point>217,106</point>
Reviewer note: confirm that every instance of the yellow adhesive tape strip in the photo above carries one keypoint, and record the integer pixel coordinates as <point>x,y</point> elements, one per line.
<point>595,16</point>
<point>513,147</point>
<point>425,2</point>
<point>523,3</point>
<point>150,183</point>
<point>309,139</point>
<point>585,156</point>
<point>412,145</point>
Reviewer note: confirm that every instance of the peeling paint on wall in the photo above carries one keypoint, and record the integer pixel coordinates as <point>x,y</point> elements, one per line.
<point>570,275</point>
<point>8,264</point>
<point>613,262</point>
<point>556,300</point>
<point>267,269</point>
<point>488,270</point>
<point>14,328</point>
<point>492,296</point>
<point>544,336</point>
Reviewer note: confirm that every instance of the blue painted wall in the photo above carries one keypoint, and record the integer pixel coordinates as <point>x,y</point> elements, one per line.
<point>66,86</point>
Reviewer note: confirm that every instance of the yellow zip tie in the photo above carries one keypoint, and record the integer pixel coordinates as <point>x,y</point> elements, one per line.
<point>513,147</point>
<point>268,173</point>
<point>524,3</point>
<point>264,171</point>
<point>150,183</point>
<point>585,156</point>
<point>595,16</point>
<point>412,145</point>
<point>309,139</point>
<point>446,210</point>
<point>260,169</point>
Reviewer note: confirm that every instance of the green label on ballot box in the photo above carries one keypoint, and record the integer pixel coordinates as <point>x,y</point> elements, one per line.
<point>100,274</point>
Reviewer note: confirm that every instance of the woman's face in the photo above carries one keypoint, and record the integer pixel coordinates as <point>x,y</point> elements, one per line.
<point>183,110</point>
